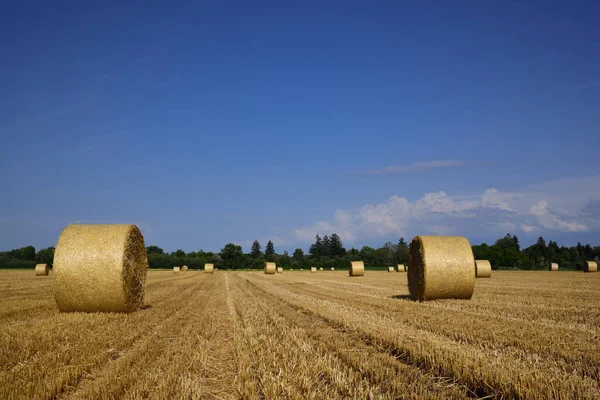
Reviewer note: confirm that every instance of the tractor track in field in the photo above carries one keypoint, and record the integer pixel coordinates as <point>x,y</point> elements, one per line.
<point>321,330</point>
<point>445,353</point>
<point>138,346</point>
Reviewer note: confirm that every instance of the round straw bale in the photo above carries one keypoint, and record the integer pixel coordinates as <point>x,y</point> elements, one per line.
<point>280,270</point>
<point>176,270</point>
<point>553,267</point>
<point>42,269</point>
<point>100,268</point>
<point>401,268</point>
<point>440,267</point>
<point>483,269</point>
<point>313,269</point>
<point>321,269</point>
<point>391,269</point>
<point>301,269</point>
<point>184,268</point>
<point>333,269</point>
<point>270,268</point>
<point>356,268</point>
<point>209,268</point>
<point>588,266</point>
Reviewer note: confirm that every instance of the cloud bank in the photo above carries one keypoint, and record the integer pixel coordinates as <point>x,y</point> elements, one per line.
<point>550,207</point>
<point>416,167</point>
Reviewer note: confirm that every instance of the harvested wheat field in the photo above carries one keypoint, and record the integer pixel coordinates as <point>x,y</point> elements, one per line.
<point>297,335</point>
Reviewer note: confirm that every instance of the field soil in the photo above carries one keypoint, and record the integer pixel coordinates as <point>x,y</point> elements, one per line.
<point>298,335</point>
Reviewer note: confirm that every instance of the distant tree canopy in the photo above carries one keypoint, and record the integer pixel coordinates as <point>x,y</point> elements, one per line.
<point>329,251</point>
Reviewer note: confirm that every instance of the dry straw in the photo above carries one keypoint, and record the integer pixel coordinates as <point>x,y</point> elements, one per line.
<point>356,268</point>
<point>280,270</point>
<point>401,268</point>
<point>483,269</point>
<point>313,269</point>
<point>391,269</point>
<point>588,266</point>
<point>100,268</point>
<point>176,270</point>
<point>333,269</point>
<point>321,269</point>
<point>553,267</point>
<point>184,268</point>
<point>440,267</point>
<point>42,269</point>
<point>209,268</point>
<point>270,268</point>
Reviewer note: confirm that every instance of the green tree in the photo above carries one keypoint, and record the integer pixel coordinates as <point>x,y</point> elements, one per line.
<point>26,253</point>
<point>232,256</point>
<point>270,251</point>
<point>179,253</point>
<point>326,246</point>
<point>402,251</point>
<point>298,258</point>
<point>255,252</point>
<point>45,256</point>
<point>316,249</point>
<point>154,250</point>
<point>336,247</point>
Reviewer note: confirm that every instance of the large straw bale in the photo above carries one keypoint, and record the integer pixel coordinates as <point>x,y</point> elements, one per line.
<point>100,268</point>
<point>280,270</point>
<point>356,268</point>
<point>270,268</point>
<point>42,269</point>
<point>209,268</point>
<point>483,269</point>
<point>401,268</point>
<point>588,266</point>
<point>176,270</point>
<point>553,267</point>
<point>440,267</point>
<point>184,268</point>
<point>313,269</point>
<point>391,269</point>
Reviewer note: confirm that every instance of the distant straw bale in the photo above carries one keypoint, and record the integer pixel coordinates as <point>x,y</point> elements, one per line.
<point>356,268</point>
<point>280,270</point>
<point>176,270</point>
<point>401,268</point>
<point>440,267</point>
<point>391,269</point>
<point>313,269</point>
<point>184,268</point>
<point>270,268</point>
<point>321,269</point>
<point>100,268</point>
<point>553,267</point>
<point>209,268</point>
<point>483,269</point>
<point>332,268</point>
<point>42,269</point>
<point>590,266</point>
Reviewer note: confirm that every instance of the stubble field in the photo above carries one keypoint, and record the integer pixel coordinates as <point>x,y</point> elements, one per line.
<point>299,335</point>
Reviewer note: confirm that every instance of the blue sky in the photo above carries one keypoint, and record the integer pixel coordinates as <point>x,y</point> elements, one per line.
<point>213,123</point>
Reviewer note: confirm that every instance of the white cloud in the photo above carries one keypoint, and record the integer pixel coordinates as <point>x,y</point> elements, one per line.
<point>416,167</point>
<point>528,228</point>
<point>541,208</point>
<point>550,220</point>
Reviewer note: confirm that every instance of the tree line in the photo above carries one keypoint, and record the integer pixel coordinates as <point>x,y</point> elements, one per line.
<point>328,251</point>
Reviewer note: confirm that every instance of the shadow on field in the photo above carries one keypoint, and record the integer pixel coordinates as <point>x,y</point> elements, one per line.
<point>146,306</point>
<point>401,297</point>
